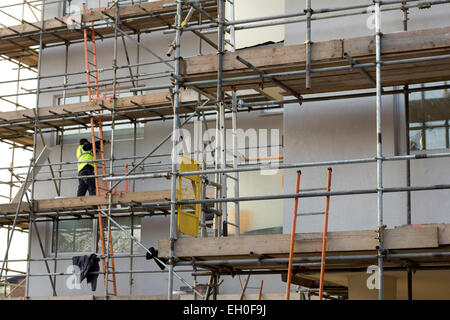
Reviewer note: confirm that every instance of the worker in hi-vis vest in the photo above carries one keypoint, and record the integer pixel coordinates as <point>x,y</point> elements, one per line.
<point>85,157</point>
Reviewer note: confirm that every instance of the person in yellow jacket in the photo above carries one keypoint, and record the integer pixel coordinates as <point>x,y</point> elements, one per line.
<point>85,157</point>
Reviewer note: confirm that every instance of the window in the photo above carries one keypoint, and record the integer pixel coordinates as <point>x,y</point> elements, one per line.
<point>76,6</point>
<point>73,6</point>
<point>429,118</point>
<point>123,131</point>
<point>257,217</point>
<point>78,235</point>
<point>73,236</point>
<point>121,241</point>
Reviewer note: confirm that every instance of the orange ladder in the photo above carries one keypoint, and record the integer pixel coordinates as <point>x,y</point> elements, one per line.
<point>90,56</point>
<point>324,234</point>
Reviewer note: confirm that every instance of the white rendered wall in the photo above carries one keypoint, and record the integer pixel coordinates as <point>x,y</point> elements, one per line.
<point>346,129</point>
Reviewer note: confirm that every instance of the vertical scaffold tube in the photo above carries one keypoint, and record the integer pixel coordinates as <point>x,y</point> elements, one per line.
<point>35,139</point>
<point>234,130</point>
<point>221,112</point>
<point>380,226</point>
<point>176,101</point>
<point>308,12</point>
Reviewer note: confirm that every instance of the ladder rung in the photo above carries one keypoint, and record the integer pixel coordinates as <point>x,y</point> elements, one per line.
<point>308,239</point>
<point>231,177</point>
<point>311,213</point>
<point>313,189</point>
<point>90,51</point>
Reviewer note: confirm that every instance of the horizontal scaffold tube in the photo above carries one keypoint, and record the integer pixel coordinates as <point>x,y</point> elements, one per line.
<point>315,258</point>
<point>297,165</point>
<point>316,194</point>
<point>315,12</point>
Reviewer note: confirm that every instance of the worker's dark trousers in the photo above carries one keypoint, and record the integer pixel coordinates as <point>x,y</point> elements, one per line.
<point>86,184</point>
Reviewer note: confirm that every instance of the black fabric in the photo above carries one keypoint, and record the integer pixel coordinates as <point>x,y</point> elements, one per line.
<point>86,184</point>
<point>154,254</point>
<point>87,265</point>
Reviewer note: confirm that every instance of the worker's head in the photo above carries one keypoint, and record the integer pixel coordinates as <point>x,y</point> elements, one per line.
<point>83,141</point>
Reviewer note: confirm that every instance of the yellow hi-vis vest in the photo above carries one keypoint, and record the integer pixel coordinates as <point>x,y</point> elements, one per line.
<point>84,157</point>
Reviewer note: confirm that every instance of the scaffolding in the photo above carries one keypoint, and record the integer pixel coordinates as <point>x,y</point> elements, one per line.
<point>217,93</point>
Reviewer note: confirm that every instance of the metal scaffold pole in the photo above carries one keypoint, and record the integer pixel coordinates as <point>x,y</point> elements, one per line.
<point>380,225</point>
<point>176,102</point>
<point>308,12</point>
<point>408,151</point>
<point>35,141</point>
<point>237,219</point>
<point>221,115</point>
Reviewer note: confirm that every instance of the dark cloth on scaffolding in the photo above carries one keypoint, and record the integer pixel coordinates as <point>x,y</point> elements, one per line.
<point>88,264</point>
<point>154,254</point>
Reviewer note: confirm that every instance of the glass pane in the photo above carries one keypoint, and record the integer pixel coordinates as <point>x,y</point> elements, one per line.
<point>121,241</point>
<point>415,140</point>
<point>438,123</point>
<point>73,236</point>
<point>255,217</point>
<point>415,125</point>
<point>435,94</point>
<point>435,138</point>
<point>69,100</point>
<point>413,96</point>
<point>76,6</point>
<point>73,6</point>
<point>125,94</point>
<point>428,119</point>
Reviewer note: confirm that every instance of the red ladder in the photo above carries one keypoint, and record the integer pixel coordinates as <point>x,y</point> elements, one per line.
<point>324,234</point>
<point>90,56</point>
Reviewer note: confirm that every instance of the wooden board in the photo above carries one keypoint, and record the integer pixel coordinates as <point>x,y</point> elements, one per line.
<point>18,126</point>
<point>16,41</point>
<point>410,237</point>
<point>47,205</point>
<point>283,56</point>
<point>400,45</point>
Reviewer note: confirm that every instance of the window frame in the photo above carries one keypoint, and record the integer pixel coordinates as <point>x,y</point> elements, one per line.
<point>95,248</point>
<point>71,253</point>
<point>423,126</point>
